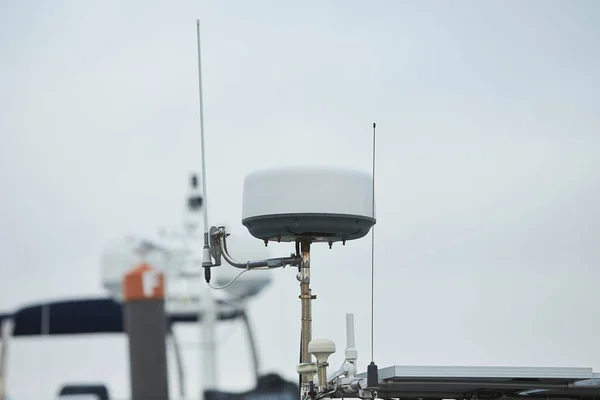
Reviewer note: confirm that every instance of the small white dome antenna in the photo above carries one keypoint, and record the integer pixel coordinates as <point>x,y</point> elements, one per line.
<point>303,206</point>
<point>322,349</point>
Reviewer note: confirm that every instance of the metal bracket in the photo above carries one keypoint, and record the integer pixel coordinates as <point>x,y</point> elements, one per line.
<point>215,244</point>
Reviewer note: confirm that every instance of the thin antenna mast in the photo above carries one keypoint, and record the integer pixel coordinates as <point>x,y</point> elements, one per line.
<point>206,258</point>
<point>372,370</point>
<point>373,256</point>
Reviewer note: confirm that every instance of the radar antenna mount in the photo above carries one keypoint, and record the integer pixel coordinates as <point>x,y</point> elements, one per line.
<point>304,206</point>
<point>275,209</point>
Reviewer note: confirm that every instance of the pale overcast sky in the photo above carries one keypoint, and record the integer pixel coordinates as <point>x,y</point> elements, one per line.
<point>488,185</point>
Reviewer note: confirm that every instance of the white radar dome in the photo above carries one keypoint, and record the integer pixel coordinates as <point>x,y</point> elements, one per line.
<point>321,204</point>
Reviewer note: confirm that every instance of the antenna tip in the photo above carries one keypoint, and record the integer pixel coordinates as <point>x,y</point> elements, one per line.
<point>373,124</point>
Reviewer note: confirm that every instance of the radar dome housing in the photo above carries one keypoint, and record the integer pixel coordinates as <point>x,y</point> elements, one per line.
<point>320,204</point>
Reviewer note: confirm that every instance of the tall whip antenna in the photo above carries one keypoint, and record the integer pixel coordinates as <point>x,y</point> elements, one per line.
<point>373,256</point>
<point>372,370</point>
<point>206,259</point>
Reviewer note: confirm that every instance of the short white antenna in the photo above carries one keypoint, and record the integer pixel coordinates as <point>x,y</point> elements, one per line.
<point>206,258</point>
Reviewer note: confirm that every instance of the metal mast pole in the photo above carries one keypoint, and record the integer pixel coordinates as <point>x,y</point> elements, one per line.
<point>305,298</point>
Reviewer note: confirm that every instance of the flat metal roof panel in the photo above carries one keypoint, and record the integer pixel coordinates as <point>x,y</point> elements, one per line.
<point>460,382</point>
<point>399,372</point>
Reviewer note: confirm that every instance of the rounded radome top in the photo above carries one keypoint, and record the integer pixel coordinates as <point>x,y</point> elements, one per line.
<point>321,348</point>
<point>320,204</point>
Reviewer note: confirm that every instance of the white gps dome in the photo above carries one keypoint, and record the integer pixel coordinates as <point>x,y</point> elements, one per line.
<point>321,204</point>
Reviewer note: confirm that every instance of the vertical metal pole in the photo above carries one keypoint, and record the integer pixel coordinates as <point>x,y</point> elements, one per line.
<point>208,344</point>
<point>3,351</point>
<point>6,330</point>
<point>178,362</point>
<point>146,326</point>
<point>305,299</point>
<point>252,344</point>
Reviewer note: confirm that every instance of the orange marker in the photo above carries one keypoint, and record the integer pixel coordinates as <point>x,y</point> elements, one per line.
<point>143,283</point>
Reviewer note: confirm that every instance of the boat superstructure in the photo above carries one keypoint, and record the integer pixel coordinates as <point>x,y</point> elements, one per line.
<point>173,255</point>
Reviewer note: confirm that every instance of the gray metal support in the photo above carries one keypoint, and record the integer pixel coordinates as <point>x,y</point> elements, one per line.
<point>146,326</point>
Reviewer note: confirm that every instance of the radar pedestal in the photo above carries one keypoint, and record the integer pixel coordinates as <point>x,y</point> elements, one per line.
<point>307,206</point>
